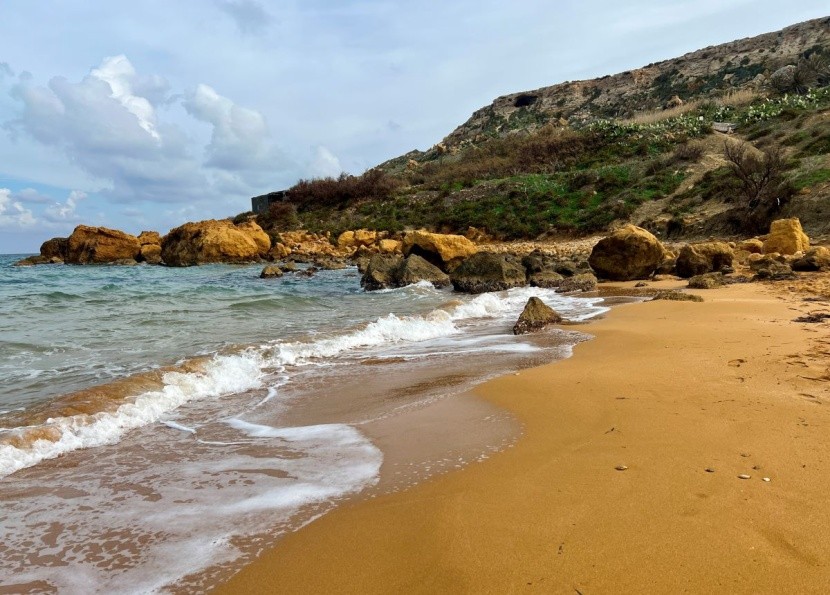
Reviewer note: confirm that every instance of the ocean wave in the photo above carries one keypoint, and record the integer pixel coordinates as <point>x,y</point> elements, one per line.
<point>245,370</point>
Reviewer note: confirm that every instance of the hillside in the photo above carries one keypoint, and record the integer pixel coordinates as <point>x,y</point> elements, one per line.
<point>579,157</point>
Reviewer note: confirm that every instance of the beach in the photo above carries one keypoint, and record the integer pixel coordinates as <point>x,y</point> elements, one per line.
<point>627,476</point>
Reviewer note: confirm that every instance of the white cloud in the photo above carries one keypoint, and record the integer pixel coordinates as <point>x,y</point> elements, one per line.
<point>13,215</point>
<point>5,70</point>
<point>65,212</point>
<point>239,140</point>
<point>325,164</point>
<point>119,74</point>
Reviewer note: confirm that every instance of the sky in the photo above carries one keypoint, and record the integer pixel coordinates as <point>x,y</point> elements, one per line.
<point>145,115</point>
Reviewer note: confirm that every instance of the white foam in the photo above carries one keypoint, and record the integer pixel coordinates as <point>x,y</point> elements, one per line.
<point>264,482</point>
<point>221,376</point>
<point>229,374</point>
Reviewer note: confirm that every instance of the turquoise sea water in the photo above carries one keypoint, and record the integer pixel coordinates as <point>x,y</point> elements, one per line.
<point>165,422</point>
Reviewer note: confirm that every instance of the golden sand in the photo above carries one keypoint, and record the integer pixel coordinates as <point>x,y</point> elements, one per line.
<point>687,397</point>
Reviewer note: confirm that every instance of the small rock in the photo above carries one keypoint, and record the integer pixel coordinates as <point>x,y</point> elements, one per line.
<point>271,271</point>
<point>709,470</point>
<point>620,467</point>
<point>744,476</point>
<point>767,479</point>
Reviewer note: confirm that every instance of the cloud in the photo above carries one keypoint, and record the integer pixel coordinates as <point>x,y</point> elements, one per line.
<point>250,17</point>
<point>112,133</point>
<point>119,74</point>
<point>65,212</point>
<point>6,70</point>
<point>325,164</point>
<point>239,140</point>
<point>13,215</point>
<point>30,195</point>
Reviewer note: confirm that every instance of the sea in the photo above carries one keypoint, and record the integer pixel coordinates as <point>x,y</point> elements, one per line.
<point>159,427</point>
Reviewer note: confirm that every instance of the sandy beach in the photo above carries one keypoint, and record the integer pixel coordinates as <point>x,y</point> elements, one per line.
<point>684,398</point>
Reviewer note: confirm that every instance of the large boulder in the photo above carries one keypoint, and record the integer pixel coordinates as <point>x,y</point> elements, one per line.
<point>536,316</point>
<point>100,245</point>
<point>816,259</point>
<point>580,282</point>
<point>150,247</point>
<point>414,269</point>
<point>256,233</point>
<point>445,251</point>
<point>706,281</point>
<point>55,248</point>
<point>705,257</point>
<point>486,271</point>
<point>385,271</point>
<point>208,241</point>
<point>380,272</point>
<point>786,237</point>
<point>631,252</point>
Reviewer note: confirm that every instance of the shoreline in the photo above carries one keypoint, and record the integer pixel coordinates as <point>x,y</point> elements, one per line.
<point>667,389</point>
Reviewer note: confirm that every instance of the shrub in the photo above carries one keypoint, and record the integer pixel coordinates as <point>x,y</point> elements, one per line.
<point>337,192</point>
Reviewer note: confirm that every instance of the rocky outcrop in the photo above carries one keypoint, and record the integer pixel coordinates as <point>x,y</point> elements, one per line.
<point>752,245</point>
<point>55,248</point>
<point>485,271</point>
<point>307,244</point>
<point>209,241</point>
<point>705,257</point>
<point>816,259</point>
<point>770,266</point>
<point>271,271</point>
<point>100,245</point>
<point>150,247</point>
<point>706,281</point>
<point>445,251</point>
<point>546,279</point>
<point>786,237</point>
<point>380,272</point>
<point>535,316</point>
<point>385,271</point>
<point>629,253</point>
<point>580,282</point>
<point>676,296</point>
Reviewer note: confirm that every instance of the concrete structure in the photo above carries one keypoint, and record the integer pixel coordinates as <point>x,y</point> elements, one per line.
<point>261,204</point>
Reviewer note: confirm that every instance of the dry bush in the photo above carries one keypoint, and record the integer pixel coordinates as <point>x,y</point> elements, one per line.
<point>689,151</point>
<point>738,97</point>
<point>761,175</point>
<point>334,192</point>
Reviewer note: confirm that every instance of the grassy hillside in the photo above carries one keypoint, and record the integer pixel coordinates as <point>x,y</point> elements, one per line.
<point>664,169</point>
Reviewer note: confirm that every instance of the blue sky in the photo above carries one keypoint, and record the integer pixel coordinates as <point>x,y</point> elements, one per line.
<point>146,115</point>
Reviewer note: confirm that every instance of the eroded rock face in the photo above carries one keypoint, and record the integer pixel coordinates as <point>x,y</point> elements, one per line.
<point>786,237</point>
<point>485,271</point>
<point>100,245</point>
<point>629,253</point>
<point>208,241</point>
<point>55,248</point>
<point>445,251</point>
<point>580,282</point>
<point>706,281</point>
<point>536,316</point>
<point>256,233</point>
<point>150,253</point>
<point>149,237</point>
<point>752,245</point>
<point>705,257</point>
<point>816,259</point>
<point>385,271</point>
<point>271,271</point>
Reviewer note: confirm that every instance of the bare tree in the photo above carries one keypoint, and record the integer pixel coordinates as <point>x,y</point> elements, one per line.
<point>764,189</point>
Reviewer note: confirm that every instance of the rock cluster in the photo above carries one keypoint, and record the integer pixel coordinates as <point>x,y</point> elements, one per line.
<point>387,271</point>
<point>485,271</point>
<point>446,251</point>
<point>101,245</point>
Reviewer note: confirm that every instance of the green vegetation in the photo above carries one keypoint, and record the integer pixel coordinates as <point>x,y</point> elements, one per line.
<point>582,178</point>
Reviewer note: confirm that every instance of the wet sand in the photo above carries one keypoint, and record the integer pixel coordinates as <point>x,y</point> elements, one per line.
<point>668,390</point>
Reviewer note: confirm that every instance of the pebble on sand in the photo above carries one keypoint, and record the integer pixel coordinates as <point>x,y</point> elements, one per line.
<point>620,467</point>
<point>709,470</point>
<point>744,476</point>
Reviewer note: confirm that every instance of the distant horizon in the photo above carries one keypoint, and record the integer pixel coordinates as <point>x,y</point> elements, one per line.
<point>109,124</point>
